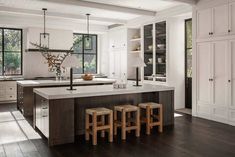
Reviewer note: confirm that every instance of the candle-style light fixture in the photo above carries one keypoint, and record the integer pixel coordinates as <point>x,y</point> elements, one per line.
<point>88,23</point>
<point>44,37</point>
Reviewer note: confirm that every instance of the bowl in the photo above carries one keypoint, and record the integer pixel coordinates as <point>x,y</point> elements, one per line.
<point>161,46</point>
<point>87,77</point>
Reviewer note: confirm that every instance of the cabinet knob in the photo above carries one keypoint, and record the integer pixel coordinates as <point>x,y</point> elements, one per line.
<point>229,30</point>
<point>209,33</point>
<point>229,81</point>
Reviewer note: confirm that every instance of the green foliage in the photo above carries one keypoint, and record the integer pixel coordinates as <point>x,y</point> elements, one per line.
<point>12,60</point>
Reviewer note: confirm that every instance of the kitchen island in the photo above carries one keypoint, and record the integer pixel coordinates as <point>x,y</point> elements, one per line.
<point>25,99</point>
<point>60,114</point>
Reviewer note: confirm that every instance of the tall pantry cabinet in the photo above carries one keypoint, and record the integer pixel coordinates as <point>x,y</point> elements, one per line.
<point>215,62</point>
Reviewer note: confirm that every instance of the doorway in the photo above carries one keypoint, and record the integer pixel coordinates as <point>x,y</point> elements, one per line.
<point>188,63</point>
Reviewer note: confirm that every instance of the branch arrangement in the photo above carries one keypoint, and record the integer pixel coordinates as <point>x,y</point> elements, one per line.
<point>54,61</point>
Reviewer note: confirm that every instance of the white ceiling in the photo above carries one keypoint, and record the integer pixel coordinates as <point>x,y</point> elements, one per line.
<point>153,5</point>
<point>71,9</point>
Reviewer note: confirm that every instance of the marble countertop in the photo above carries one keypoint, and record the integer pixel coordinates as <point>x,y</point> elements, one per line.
<point>99,90</point>
<point>35,83</point>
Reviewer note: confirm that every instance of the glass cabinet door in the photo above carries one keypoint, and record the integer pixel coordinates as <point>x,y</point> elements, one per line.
<point>160,54</point>
<point>148,52</point>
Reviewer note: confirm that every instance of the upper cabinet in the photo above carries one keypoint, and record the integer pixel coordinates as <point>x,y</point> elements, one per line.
<point>232,18</point>
<point>220,21</point>
<point>216,22</point>
<point>155,52</point>
<point>204,23</point>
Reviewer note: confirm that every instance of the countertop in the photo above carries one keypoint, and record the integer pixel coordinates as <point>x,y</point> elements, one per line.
<point>35,83</point>
<point>99,90</point>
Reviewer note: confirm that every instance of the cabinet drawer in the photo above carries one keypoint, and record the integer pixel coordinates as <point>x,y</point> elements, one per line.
<point>10,97</point>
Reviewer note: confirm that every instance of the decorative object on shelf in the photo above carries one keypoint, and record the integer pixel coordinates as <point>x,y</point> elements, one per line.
<point>150,47</point>
<point>88,38</point>
<point>54,61</point>
<point>44,37</point>
<point>87,77</point>
<point>119,85</point>
<point>137,63</point>
<point>71,61</point>
<point>161,46</point>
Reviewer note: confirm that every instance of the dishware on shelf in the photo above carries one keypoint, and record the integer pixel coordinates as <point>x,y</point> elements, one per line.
<point>161,46</point>
<point>150,61</point>
<point>150,47</point>
<point>160,60</point>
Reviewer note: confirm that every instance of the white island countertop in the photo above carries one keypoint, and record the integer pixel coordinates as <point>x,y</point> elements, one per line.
<point>35,83</point>
<point>99,90</point>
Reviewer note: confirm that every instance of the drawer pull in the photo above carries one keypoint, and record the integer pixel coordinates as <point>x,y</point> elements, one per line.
<point>44,108</point>
<point>44,116</point>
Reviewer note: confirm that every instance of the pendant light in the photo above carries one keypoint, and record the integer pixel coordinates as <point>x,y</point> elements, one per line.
<point>88,25</point>
<point>44,37</point>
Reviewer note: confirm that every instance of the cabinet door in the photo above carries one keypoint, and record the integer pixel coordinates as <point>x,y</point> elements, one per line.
<point>203,75</point>
<point>220,81</point>
<point>220,20</point>
<point>204,23</point>
<point>232,74</point>
<point>232,18</point>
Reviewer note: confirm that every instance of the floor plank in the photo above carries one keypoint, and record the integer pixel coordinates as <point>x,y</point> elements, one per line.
<point>190,137</point>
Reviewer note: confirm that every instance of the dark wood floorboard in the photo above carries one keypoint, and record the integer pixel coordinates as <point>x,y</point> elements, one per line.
<point>190,137</point>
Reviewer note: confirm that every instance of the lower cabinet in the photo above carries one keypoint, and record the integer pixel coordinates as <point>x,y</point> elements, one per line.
<point>42,116</point>
<point>215,78</point>
<point>7,91</point>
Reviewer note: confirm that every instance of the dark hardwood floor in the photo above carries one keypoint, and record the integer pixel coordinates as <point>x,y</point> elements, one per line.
<point>190,137</point>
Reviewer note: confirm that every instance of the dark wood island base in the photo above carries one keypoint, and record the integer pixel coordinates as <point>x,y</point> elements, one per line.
<point>60,120</point>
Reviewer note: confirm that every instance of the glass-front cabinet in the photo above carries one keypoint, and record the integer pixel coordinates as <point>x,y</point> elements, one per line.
<point>155,52</point>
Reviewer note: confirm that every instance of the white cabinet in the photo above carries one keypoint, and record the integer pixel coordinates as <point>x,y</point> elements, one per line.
<point>215,22</point>
<point>118,52</point>
<point>204,73</point>
<point>212,79</point>
<point>232,74</point>
<point>220,80</point>
<point>232,18</point>
<point>204,23</point>
<point>220,20</point>
<point>7,91</point>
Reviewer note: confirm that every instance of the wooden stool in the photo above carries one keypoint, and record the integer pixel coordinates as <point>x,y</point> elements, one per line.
<point>94,126</point>
<point>127,123</point>
<point>150,117</point>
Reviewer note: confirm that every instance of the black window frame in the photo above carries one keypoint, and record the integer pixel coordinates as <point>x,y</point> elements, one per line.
<point>3,52</point>
<point>83,50</point>
<point>186,45</point>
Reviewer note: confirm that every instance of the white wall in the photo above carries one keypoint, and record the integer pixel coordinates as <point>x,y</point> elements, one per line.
<point>34,65</point>
<point>176,59</point>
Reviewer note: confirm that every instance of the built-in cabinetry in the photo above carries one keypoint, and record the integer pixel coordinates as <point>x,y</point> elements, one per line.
<point>216,21</point>
<point>215,58</point>
<point>155,52</point>
<point>7,91</point>
<point>134,50</point>
<point>118,52</point>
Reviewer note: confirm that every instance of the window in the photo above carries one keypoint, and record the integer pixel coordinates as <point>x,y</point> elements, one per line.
<point>188,47</point>
<point>85,48</point>
<point>10,51</point>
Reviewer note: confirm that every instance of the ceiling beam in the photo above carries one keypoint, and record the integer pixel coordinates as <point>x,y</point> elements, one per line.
<point>59,15</point>
<point>103,7</point>
<point>192,2</point>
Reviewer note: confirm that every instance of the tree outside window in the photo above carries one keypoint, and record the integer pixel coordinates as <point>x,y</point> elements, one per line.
<point>85,48</point>
<point>10,51</point>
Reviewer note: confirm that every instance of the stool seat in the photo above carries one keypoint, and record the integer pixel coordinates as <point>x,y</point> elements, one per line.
<point>152,105</point>
<point>98,111</point>
<point>127,108</point>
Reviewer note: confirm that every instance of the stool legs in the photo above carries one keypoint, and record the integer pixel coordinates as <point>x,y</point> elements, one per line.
<point>87,127</point>
<point>94,129</point>
<point>123,125</point>
<point>137,132</point>
<point>111,127</point>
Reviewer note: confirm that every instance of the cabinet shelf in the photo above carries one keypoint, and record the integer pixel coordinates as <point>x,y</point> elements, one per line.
<point>135,51</point>
<point>136,39</point>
